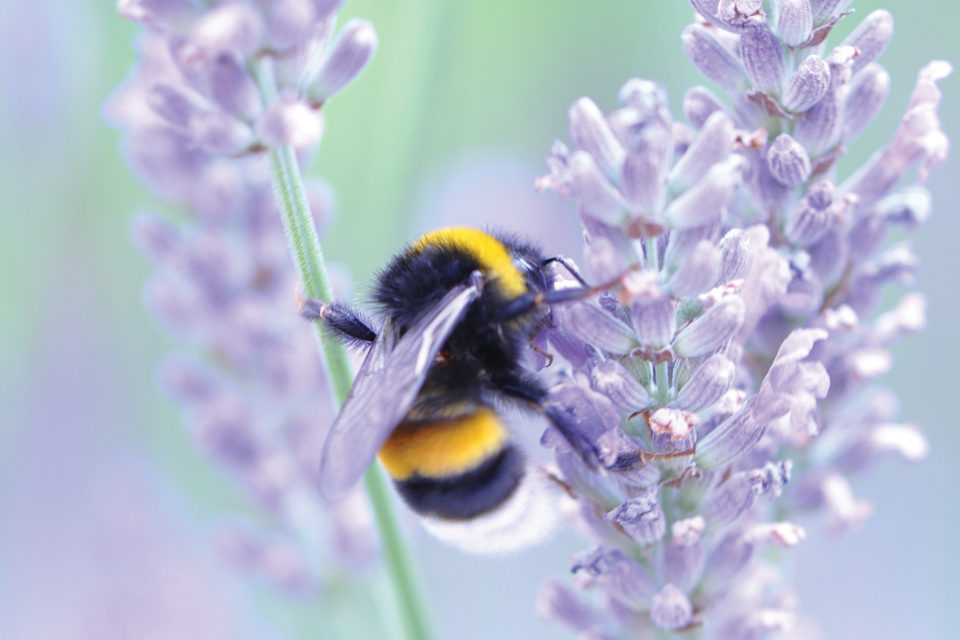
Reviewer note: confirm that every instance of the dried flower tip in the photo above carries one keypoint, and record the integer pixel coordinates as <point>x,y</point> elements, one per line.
<point>788,161</point>
<point>795,22</point>
<point>807,86</point>
<point>782,534</point>
<point>671,609</point>
<point>641,517</point>
<point>289,120</point>
<point>762,57</point>
<point>713,59</point>
<point>871,38</point>
<point>675,423</point>
<point>349,55</point>
<point>688,531</point>
<point>709,383</point>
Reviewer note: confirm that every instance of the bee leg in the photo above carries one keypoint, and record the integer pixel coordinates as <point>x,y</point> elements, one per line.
<point>525,388</point>
<point>569,267</point>
<point>339,318</point>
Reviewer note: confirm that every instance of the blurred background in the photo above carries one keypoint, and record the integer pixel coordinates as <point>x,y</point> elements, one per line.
<point>106,507</point>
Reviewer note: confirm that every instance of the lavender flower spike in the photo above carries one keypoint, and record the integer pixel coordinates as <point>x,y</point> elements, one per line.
<point>749,280</point>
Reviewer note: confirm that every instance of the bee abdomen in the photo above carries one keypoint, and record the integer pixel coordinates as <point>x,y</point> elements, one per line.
<point>453,468</point>
<point>467,495</point>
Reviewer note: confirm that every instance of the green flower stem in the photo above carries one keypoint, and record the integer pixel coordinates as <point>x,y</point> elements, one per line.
<point>308,256</point>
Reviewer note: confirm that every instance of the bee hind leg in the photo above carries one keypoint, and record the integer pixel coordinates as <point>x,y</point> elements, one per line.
<point>339,318</point>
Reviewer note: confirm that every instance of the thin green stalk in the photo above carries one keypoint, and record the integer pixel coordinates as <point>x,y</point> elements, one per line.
<point>308,256</point>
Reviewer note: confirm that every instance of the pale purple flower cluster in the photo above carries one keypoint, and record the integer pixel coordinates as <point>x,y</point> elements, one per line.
<point>721,374</point>
<point>257,398</point>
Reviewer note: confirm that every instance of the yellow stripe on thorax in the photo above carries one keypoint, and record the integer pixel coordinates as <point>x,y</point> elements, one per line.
<point>487,250</point>
<point>442,448</point>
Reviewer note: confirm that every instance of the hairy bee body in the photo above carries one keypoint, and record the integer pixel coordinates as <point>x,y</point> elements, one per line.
<point>445,445</point>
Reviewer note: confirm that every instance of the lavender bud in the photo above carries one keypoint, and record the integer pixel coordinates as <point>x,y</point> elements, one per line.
<point>866,236</point>
<point>707,9</point>
<point>229,26</point>
<point>713,59</point>
<point>618,575</point>
<point>713,328</point>
<point>910,206</point>
<point>739,432</point>
<point>871,37</point>
<point>291,22</point>
<point>683,559</point>
<point>350,53</point>
<point>590,322</point>
<point>820,129</point>
<point>788,161</point>
<point>220,133</point>
<point>598,198</point>
<point>671,609</point>
<point>651,309</point>
<point>612,380</point>
<point>734,249</point>
<point>698,272</point>
<point>762,57</point>
<point>174,103</point>
<point>158,14</point>
<point>558,603</point>
<point>593,414</point>
<point>823,10</point>
<point>709,383</point>
<point>703,202</point>
<point>795,22</point>
<point>641,517</point>
<point>727,559</point>
<point>156,237</point>
<point>865,97</point>
<point>807,224</point>
<point>590,131</point>
<point>681,242</point>
<point>711,145</point>
<point>289,120</point>
<point>738,494</point>
<point>807,85</point>
<point>699,103</point>
<point>683,136</point>
<point>232,88</point>
<point>602,259</point>
<point>324,8</point>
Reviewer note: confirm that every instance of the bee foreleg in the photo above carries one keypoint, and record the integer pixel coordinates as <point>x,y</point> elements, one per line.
<point>340,319</point>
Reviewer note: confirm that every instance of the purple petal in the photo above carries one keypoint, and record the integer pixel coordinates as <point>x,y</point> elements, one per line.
<point>351,52</point>
<point>714,60</point>
<point>871,37</point>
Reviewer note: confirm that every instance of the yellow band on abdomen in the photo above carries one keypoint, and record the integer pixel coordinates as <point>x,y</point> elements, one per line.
<point>443,448</point>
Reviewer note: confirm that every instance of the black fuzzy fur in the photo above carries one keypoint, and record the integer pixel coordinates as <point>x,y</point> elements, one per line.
<point>469,494</point>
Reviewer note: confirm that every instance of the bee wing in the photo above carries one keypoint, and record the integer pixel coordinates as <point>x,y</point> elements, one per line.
<point>385,387</point>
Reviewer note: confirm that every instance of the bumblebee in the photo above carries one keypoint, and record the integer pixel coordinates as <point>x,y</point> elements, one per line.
<point>459,309</point>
